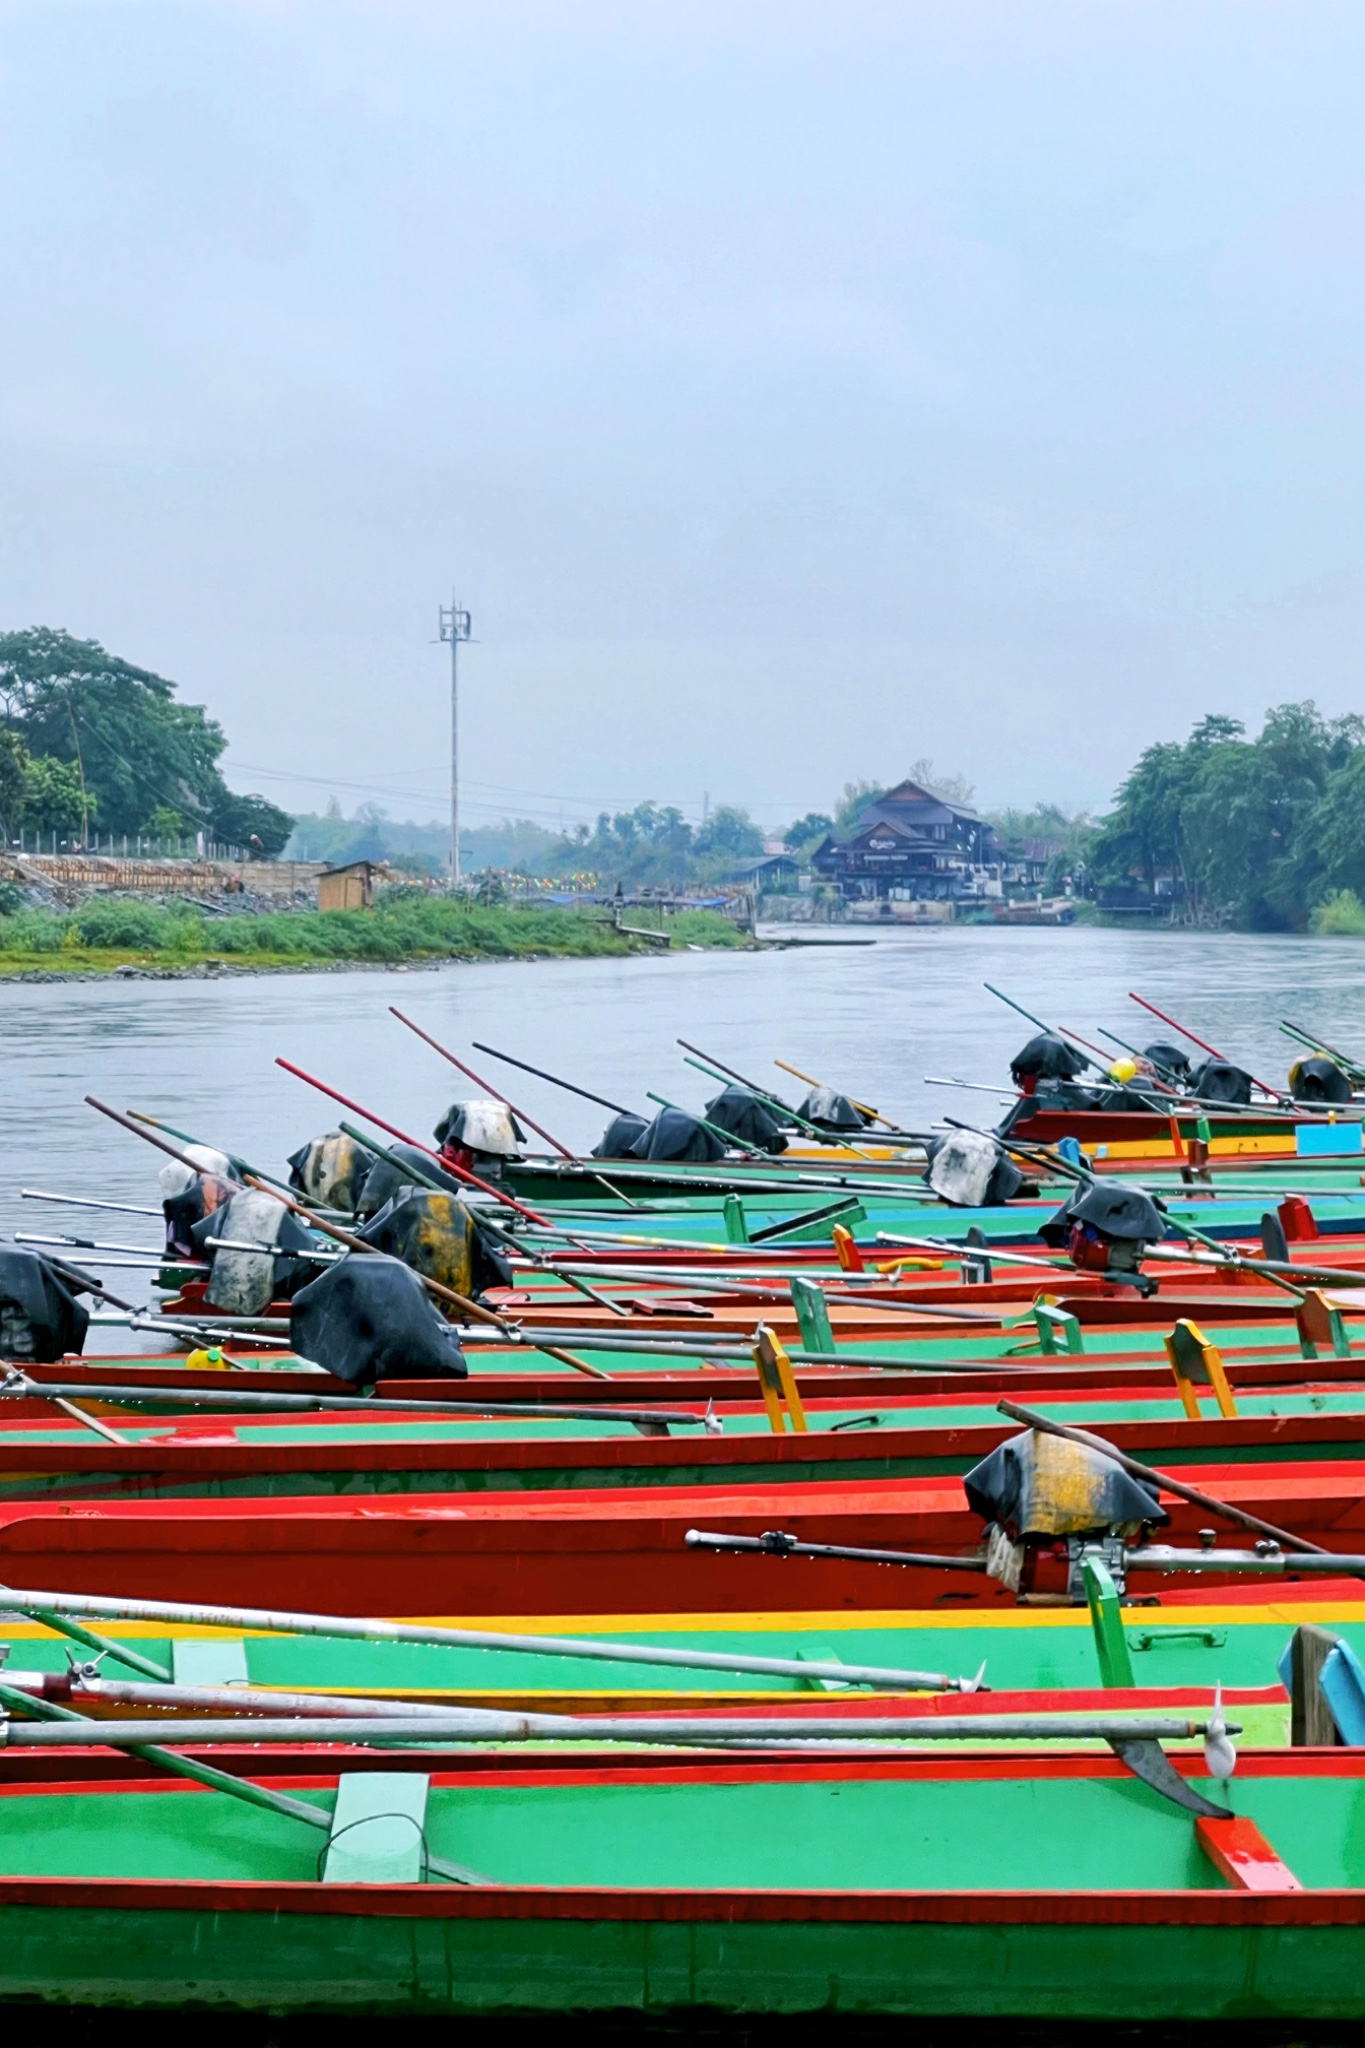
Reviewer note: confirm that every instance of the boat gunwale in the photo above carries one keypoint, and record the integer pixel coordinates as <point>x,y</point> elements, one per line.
<point>965,1441</point>
<point>1336,1907</point>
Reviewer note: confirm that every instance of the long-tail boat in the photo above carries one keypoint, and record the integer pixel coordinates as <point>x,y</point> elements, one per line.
<point>1197,1638</point>
<point>534,1552</point>
<point>977,1886</point>
<point>168,1451</point>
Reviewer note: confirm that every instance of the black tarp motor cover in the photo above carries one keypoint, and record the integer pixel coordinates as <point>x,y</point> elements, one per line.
<point>676,1135</point>
<point>384,1179</point>
<point>1038,1484</point>
<point>619,1139</point>
<point>437,1236</point>
<point>1318,1079</point>
<point>330,1169</point>
<point>749,1121</point>
<point>965,1175</point>
<point>369,1318</point>
<point>1115,1212</point>
<point>40,1317</point>
<point>831,1111</point>
<point>1047,1058</point>
<point>244,1283</point>
<point>1168,1060</point>
<point>485,1126</point>
<point>1220,1081</point>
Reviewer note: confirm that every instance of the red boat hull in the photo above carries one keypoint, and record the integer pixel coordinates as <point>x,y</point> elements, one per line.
<point>611,1552</point>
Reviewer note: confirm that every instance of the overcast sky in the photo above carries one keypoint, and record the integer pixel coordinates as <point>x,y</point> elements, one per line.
<point>790,390</point>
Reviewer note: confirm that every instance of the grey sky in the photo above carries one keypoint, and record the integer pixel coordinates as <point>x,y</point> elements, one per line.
<point>791,390</point>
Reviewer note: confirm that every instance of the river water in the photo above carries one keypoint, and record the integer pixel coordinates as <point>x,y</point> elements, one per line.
<point>873,1019</point>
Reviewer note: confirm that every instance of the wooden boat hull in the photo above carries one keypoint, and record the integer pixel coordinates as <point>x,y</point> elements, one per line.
<point>1194,1640</point>
<point>1127,1141</point>
<point>984,1887</point>
<point>892,1437</point>
<point>519,1952</point>
<point>535,1553</point>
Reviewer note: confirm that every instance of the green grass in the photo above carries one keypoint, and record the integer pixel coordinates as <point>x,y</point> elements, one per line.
<point>108,932</point>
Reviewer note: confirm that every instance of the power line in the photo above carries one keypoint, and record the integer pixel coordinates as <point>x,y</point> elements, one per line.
<point>379,788</point>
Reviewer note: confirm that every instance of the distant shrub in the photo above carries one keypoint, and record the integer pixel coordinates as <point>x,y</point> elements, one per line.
<point>123,922</point>
<point>34,931</point>
<point>1340,916</point>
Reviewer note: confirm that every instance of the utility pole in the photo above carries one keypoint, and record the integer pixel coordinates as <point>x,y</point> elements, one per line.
<point>454,627</point>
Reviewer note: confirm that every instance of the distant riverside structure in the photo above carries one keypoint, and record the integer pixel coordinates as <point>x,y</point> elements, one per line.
<point>348,888</point>
<point>913,845</point>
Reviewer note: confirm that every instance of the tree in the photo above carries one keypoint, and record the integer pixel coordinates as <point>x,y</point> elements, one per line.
<point>54,800</point>
<point>14,764</point>
<point>856,798</point>
<point>43,794</point>
<point>133,747</point>
<point>807,831</point>
<point>131,743</point>
<point>252,823</point>
<point>955,788</point>
<point>1144,835</point>
<point>729,834</point>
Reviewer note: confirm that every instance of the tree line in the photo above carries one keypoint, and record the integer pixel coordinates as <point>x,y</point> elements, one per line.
<point>1265,833</point>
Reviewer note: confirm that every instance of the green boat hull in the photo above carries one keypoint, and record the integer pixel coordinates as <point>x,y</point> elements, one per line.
<point>994,1888</point>
<point>1183,1643</point>
<point>676,1957</point>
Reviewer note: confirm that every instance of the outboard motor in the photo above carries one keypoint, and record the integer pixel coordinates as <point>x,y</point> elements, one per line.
<point>40,1318</point>
<point>830,1111</point>
<point>1107,1230</point>
<point>481,1136</point>
<point>1318,1079</point>
<point>244,1283</point>
<point>438,1237</point>
<point>1169,1061</point>
<point>1045,1501</point>
<point>369,1318</point>
<point>749,1121</point>
<point>187,1198</point>
<point>970,1171</point>
<point>386,1177</point>
<point>619,1139</point>
<point>174,1177</point>
<point>330,1170</point>
<point>1220,1081</point>
<point>1045,1058</point>
<point>674,1135</point>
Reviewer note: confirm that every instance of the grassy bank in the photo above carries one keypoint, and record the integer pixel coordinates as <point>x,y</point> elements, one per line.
<point>109,932</point>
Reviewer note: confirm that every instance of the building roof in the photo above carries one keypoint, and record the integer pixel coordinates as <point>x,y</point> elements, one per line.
<point>874,821</point>
<point>914,795</point>
<point>766,860</point>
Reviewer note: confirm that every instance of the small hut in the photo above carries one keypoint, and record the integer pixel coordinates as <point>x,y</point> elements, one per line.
<point>348,888</point>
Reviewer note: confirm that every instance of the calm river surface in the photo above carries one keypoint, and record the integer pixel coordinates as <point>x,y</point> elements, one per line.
<point>873,1019</point>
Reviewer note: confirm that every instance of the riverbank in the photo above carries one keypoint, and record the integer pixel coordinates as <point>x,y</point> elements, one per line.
<point>110,935</point>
